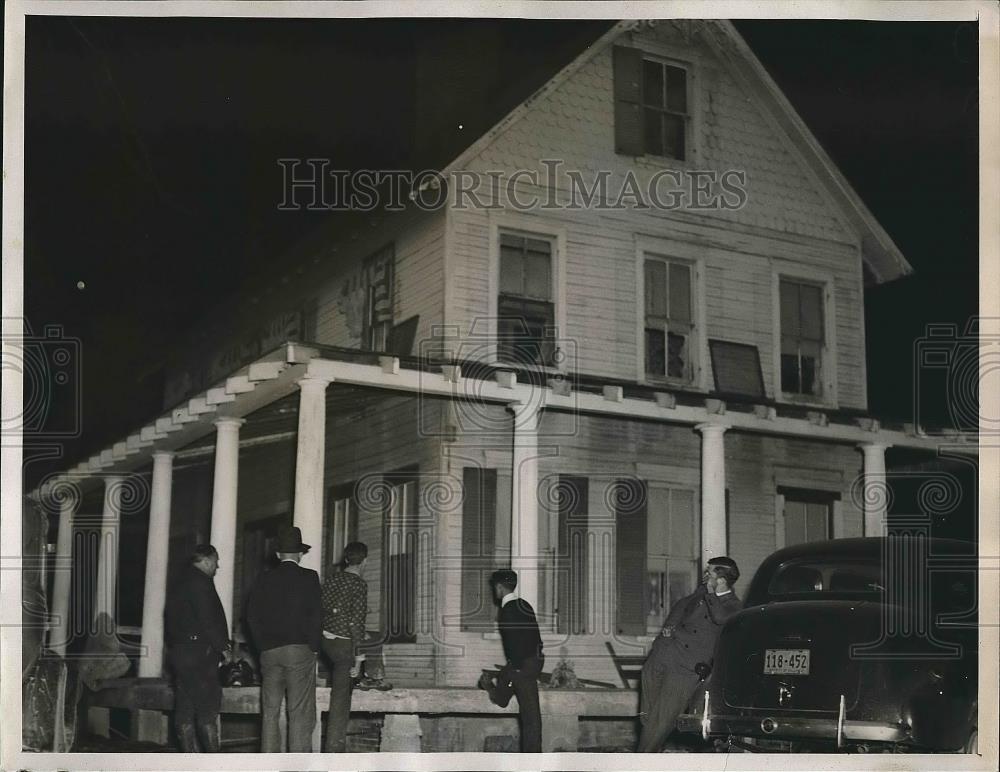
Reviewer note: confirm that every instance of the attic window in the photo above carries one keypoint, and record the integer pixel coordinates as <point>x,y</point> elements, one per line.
<point>651,105</point>
<point>664,98</point>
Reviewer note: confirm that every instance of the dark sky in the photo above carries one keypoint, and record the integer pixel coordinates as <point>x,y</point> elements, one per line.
<point>152,147</point>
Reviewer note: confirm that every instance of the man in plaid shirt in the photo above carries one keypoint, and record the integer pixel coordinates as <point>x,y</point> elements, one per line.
<point>345,606</point>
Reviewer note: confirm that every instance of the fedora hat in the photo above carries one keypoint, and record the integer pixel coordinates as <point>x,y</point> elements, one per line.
<point>290,540</point>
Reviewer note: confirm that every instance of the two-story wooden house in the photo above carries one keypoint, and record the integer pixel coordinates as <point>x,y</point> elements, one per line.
<point>548,369</point>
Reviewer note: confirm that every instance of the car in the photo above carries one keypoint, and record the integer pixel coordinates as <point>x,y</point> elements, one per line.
<point>867,644</point>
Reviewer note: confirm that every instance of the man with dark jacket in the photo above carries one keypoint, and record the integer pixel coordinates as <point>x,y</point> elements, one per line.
<point>669,677</point>
<point>197,635</point>
<point>522,646</point>
<point>284,614</point>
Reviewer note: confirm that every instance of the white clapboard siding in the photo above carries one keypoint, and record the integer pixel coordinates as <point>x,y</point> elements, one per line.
<point>419,277</point>
<point>604,449</point>
<point>786,216</point>
<point>383,438</point>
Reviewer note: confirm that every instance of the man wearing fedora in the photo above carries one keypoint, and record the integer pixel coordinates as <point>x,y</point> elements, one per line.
<point>285,616</point>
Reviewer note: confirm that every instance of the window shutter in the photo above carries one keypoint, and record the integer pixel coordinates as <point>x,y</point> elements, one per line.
<point>628,100</point>
<point>630,556</point>
<point>572,558</point>
<point>478,547</point>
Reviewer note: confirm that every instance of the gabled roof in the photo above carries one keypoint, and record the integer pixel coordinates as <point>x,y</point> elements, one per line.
<point>883,259</point>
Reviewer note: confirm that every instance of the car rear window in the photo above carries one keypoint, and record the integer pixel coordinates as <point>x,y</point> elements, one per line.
<point>813,577</point>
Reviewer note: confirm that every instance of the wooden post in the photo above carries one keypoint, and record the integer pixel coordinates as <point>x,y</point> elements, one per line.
<point>224,491</point>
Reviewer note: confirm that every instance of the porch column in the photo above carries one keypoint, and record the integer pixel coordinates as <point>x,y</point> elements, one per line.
<point>876,492</point>
<point>713,490</point>
<point>68,498</point>
<point>107,556</point>
<point>155,592</point>
<point>224,490</point>
<point>309,470</point>
<point>524,501</point>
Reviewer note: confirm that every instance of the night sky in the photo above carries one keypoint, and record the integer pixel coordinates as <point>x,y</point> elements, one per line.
<point>152,177</point>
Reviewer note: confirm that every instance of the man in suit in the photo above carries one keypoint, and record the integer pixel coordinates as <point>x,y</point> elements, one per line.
<point>522,645</point>
<point>284,614</point>
<point>197,634</point>
<point>688,638</point>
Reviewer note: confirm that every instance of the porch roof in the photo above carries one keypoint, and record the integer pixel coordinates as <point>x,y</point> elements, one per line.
<point>275,376</point>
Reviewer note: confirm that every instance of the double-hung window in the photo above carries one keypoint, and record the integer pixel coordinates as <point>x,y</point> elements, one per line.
<point>525,305</point>
<point>802,338</point>
<point>653,105</point>
<point>808,515</point>
<point>664,109</point>
<point>343,522</point>
<point>671,550</point>
<point>669,327</point>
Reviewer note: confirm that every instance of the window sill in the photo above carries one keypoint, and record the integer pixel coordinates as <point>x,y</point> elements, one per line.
<point>547,637</point>
<point>519,368</point>
<point>795,400</point>
<point>657,162</point>
<point>670,383</point>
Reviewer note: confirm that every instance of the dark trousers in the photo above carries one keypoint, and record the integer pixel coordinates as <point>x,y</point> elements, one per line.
<point>667,688</point>
<point>340,652</point>
<point>522,682</point>
<point>198,694</point>
<point>288,672</point>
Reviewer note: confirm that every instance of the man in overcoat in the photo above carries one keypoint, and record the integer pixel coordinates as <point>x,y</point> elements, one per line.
<point>284,614</point>
<point>688,637</point>
<point>522,646</point>
<point>197,635</point>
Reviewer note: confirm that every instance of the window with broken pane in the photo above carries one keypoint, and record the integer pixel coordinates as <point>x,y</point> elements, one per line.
<point>669,319</point>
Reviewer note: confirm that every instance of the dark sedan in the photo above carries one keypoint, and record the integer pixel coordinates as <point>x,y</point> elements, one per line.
<point>851,644</point>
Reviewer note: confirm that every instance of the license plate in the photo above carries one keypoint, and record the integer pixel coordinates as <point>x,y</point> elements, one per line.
<point>786,661</point>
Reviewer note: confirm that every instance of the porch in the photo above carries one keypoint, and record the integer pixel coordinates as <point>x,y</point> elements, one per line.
<point>209,425</point>
<point>149,701</point>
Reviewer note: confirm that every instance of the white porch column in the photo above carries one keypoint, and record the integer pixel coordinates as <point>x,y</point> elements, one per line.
<point>524,501</point>
<point>59,633</point>
<point>713,490</point>
<point>107,556</point>
<point>309,469</point>
<point>155,592</point>
<point>224,490</point>
<point>876,492</point>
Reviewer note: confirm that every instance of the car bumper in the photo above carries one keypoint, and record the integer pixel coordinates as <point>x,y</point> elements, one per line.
<point>789,727</point>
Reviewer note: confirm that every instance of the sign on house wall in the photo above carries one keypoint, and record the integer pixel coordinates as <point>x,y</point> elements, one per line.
<point>242,350</point>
